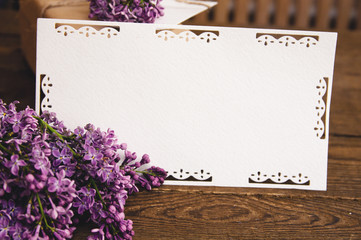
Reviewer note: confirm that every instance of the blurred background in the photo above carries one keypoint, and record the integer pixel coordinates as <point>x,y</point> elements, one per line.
<point>13,4</point>
<point>17,79</point>
<point>329,15</point>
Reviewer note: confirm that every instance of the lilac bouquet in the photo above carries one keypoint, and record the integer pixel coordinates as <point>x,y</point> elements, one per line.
<point>141,11</point>
<point>51,176</point>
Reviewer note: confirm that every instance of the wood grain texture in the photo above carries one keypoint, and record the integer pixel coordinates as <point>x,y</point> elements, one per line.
<point>175,214</point>
<point>229,216</point>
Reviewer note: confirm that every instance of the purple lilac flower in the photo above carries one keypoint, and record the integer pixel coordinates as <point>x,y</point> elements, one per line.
<point>15,120</point>
<point>81,205</point>
<point>69,169</point>
<point>153,177</point>
<point>105,173</point>
<point>16,231</point>
<point>60,184</point>
<point>11,209</point>
<point>87,195</point>
<point>97,212</point>
<point>6,183</point>
<point>56,211</point>
<point>146,11</point>
<point>78,132</point>
<point>64,156</point>
<point>50,177</point>
<point>92,155</point>
<point>3,109</point>
<point>16,143</point>
<point>43,165</point>
<point>4,231</point>
<point>14,164</point>
<point>63,233</point>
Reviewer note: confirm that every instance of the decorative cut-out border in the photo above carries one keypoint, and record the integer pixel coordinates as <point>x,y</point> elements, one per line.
<point>187,35</point>
<point>268,39</point>
<point>45,86</point>
<point>321,108</point>
<point>279,178</point>
<point>86,30</point>
<point>182,175</point>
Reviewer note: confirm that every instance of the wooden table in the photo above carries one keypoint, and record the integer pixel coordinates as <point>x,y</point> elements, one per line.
<point>175,212</point>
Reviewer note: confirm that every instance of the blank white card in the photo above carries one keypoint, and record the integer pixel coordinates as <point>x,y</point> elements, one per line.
<point>211,105</point>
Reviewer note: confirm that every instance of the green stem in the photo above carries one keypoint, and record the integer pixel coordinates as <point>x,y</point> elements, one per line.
<point>101,199</point>
<point>42,122</point>
<point>31,199</point>
<point>98,193</point>
<point>2,147</point>
<point>52,130</point>
<point>42,214</point>
<point>147,172</point>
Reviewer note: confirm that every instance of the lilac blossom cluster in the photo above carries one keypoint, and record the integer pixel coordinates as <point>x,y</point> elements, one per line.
<point>50,176</point>
<point>141,11</point>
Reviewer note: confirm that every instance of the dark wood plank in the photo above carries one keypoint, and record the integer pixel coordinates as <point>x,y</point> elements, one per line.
<point>183,215</point>
<point>177,214</point>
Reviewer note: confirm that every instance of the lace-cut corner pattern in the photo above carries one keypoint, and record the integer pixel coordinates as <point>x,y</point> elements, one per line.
<point>46,86</point>
<point>187,35</point>
<point>67,30</point>
<point>321,107</point>
<point>181,175</point>
<point>269,39</point>
<point>279,178</point>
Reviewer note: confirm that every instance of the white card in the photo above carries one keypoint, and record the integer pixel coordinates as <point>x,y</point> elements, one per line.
<point>176,12</point>
<point>213,106</point>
